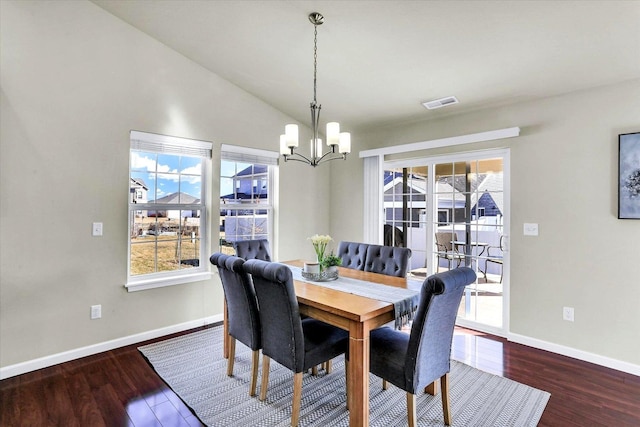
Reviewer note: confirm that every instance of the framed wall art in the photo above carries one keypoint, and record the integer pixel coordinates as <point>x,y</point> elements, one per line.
<point>629,176</point>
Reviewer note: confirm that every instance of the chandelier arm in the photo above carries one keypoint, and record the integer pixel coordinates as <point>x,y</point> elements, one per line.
<point>325,159</point>
<point>291,157</point>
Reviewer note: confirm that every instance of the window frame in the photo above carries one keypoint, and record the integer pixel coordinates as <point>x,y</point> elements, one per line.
<point>238,154</point>
<point>171,145</point>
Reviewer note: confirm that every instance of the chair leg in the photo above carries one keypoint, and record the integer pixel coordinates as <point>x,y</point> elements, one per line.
<point>385,384</point>
<point>255,358</point>
<point>432,388</point>
<point>327,366</point>
<point>446,409</point>
<point>411,409</point>
<point>297,399</point>
<point>265,377</point>
<point>231,346</point>
<point>314,371</point>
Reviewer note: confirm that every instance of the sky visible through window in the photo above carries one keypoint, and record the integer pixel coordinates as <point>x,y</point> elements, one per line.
<point>165,174</point>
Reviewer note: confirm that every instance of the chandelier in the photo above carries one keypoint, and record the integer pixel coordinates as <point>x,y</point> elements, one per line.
<point>339,143</point>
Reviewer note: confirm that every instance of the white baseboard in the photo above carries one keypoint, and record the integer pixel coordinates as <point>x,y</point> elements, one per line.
<point>597,359</point>
<point>43,362</point>
<point>54,359</point>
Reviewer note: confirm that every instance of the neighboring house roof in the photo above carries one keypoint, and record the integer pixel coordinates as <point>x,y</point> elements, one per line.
<point>492,183</point>
<point>418,184</point>
<point>177,197</point>
<point>139,183</point>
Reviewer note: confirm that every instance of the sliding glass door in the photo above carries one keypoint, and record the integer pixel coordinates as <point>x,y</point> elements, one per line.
<point>453,212</point>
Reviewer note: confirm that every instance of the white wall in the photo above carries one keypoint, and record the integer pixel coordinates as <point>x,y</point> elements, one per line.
<point>74,81</point>
<point>564,177</point>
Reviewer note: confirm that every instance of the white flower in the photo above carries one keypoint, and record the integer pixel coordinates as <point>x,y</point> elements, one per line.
<point>320,244</point>
<point>320,239</point>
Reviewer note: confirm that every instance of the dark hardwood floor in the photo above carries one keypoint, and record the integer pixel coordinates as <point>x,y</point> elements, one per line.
<point>119,388</point>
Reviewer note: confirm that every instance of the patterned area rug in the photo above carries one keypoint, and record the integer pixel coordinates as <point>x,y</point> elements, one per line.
<point>193,366</point>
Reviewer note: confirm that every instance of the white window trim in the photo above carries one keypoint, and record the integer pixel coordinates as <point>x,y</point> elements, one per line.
<point>159,282</point>
<point>174,145</point>
<point>443,142</point>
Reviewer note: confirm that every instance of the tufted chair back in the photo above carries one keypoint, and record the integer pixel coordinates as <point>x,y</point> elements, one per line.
<point>415,362</point>
<point>253,249</point>
<point>282,334</point>
<point>242,305</point>
<point>297,344</point>
<point>389,260</point>
<point>243,319</point>
<point>429,350</point>
<point>353,254</point>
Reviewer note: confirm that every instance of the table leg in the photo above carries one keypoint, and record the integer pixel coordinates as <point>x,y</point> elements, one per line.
<point>358,375</point>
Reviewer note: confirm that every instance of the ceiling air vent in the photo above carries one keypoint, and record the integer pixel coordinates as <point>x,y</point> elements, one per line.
<point>442,102</point>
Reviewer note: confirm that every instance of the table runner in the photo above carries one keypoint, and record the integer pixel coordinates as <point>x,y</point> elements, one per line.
<point>405,301</point>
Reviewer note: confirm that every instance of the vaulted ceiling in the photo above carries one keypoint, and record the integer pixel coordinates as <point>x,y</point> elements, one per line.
<point>379,60</point>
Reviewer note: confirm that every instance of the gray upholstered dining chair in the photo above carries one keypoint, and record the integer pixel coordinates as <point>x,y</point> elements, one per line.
<point>353,254</point>
<point>415,361</point>
<point>389,260</point>
<point>253,249</point>
<point>242,307</point>
<point>298,344</point>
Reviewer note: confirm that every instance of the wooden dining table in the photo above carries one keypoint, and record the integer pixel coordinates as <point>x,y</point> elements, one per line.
<point>356,314</point>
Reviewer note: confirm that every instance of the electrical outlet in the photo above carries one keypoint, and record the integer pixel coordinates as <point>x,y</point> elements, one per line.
<point>96,311</point>
<point>96,229</point>
<point>567,313</point>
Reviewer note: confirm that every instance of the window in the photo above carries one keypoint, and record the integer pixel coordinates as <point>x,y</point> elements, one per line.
<point>246,195</point>
<point>167,210</point>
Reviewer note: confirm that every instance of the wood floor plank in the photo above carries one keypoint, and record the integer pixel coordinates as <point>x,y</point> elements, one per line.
<point>58,402</point>
<point>119,388</point>
<point>31,412</point>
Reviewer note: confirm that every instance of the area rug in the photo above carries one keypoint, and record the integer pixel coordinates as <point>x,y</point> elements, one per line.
<point>193,366</point>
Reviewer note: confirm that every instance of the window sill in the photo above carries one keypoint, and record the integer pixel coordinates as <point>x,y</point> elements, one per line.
<point>157,282</point>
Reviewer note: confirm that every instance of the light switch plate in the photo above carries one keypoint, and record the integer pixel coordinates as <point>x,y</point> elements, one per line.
<point>530,229</point>
<point>96,311</point>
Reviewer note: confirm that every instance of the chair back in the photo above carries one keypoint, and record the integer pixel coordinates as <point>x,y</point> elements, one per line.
<point>429,349</point>
<point>282,333</point>
<point>253,249</point>
<point>444,240</point>
<point>392,236</point>
<point>242,305</point>
<point>353,254</point>
<point>389,260</point>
